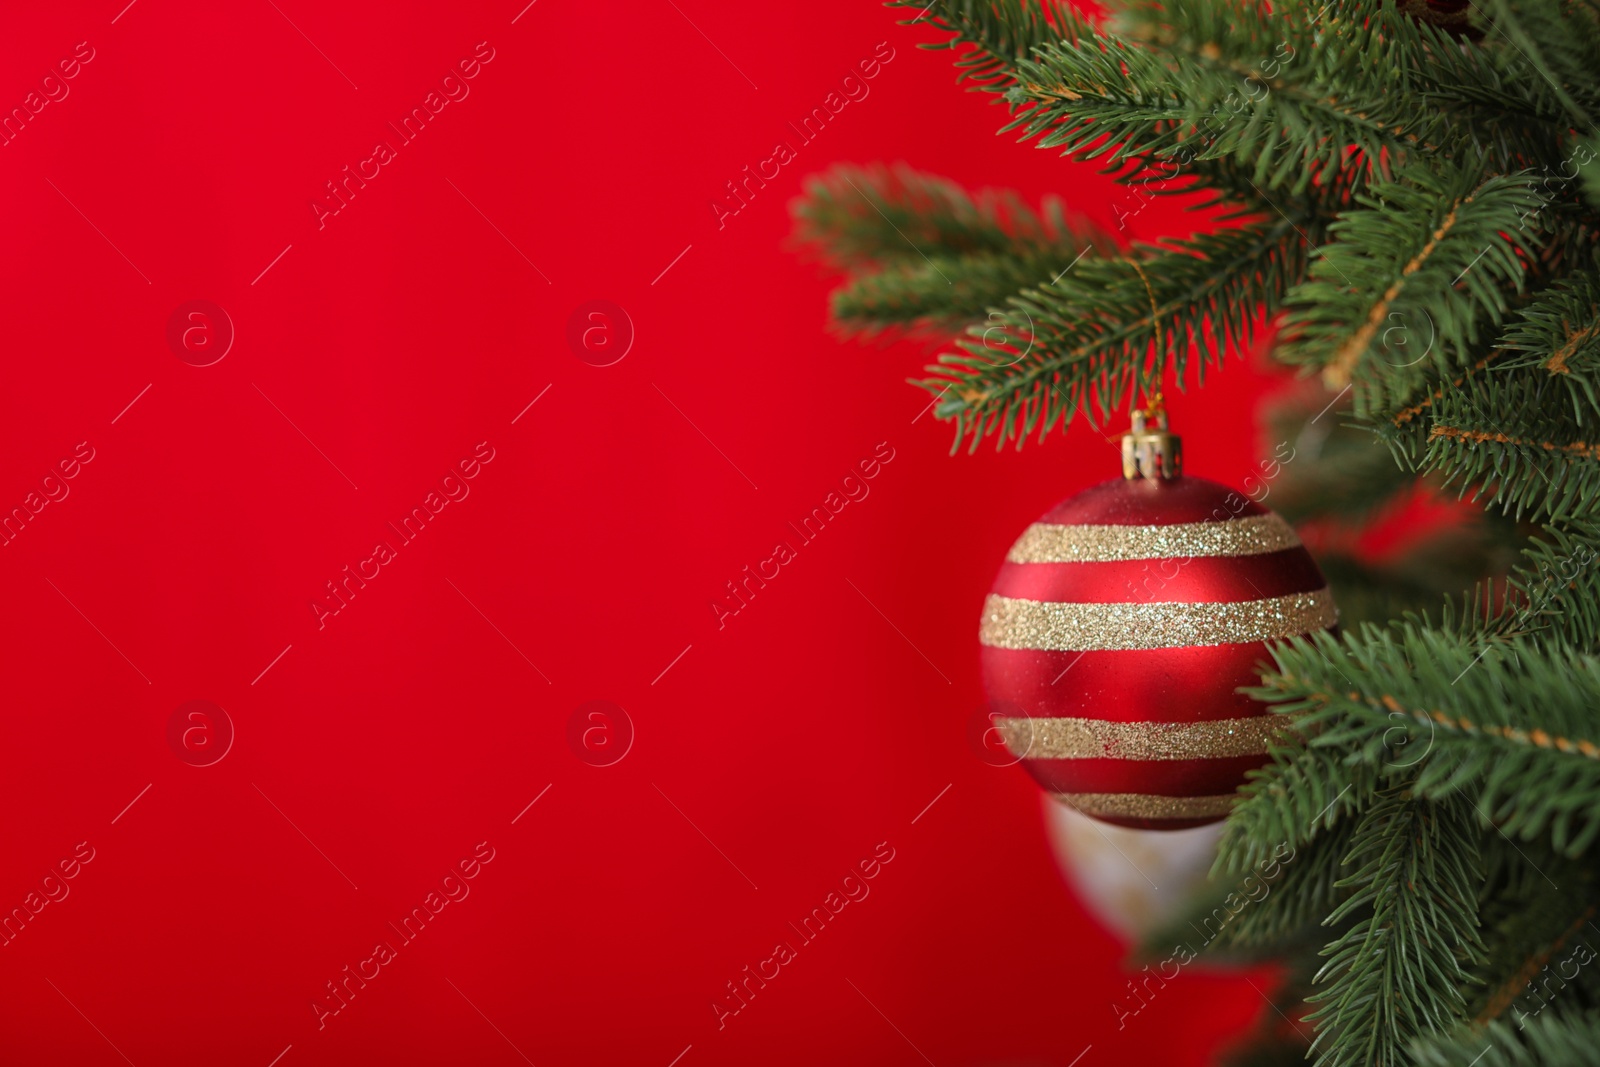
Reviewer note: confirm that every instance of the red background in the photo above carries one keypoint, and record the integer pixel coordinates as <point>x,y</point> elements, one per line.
<point>415,724</point>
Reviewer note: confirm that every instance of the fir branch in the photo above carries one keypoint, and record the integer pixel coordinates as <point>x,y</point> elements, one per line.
<point>1406,414</point>
<point>1552,594</point>
<point>1559,331</point>
<point>1547,1042</point>
<point>1085,340</point>
<point>1504,723</point>
<point>1424,261</point>
<point>1510,115</point>
<point>1570,449</point>
<point>1560,43</point>
<point>989,36</point>
<point>945,294</point>
<point>1297,902</point>
<point>1397,972</point>
<point>852,216</point>
<point>1589,167</point>
<point>1543,923</point>
<point>1301,792</point>
<point>1520,440</point>
<point>1211,86</point>
<point>943,257</point>
<point>1556,589</point>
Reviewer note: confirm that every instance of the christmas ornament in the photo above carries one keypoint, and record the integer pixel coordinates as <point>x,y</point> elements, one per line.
<point>1134,882</point>
<point>1121,627</point>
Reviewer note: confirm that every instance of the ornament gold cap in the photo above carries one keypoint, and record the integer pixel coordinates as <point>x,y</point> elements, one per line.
<point>1150,450</point>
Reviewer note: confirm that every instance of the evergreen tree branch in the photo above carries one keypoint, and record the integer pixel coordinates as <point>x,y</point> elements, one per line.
<point>1587,158</point>
<point>1492,97</point>
<point>1303,791</point>
<point>851,216</point>
<point>1397,972</point>
<point>1299,901</point>
<point>1519,441</point>
<point>1501,722</point>
<point>989,36</point>
<point>1541,916</point>
<point>1559,331</point>
<point>1230,81</point>
<point>1547,1042</point>
<point>1425,257</point>
<point>1086,339</point>
<point>945,294</point>
<point>1560,43</point>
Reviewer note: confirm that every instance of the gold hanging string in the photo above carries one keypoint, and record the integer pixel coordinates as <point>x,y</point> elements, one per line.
<point>1153,404</point>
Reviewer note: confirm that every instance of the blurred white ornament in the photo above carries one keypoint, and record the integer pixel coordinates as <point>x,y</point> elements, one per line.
<point>1132,880</point>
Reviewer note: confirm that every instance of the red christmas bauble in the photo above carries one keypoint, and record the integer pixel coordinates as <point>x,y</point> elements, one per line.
<point>1118,633</point>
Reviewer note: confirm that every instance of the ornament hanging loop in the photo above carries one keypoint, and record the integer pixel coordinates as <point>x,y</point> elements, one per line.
<point>1149,449</point>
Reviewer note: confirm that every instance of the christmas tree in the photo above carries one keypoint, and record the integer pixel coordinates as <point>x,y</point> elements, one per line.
<point>1412,201</point>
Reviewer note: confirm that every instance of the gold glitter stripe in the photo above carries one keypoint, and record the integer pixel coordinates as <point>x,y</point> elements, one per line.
<point>1252,535</point>
<point>1146,806</point>
<point>1072,627</point>
<point>1101,739</point>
